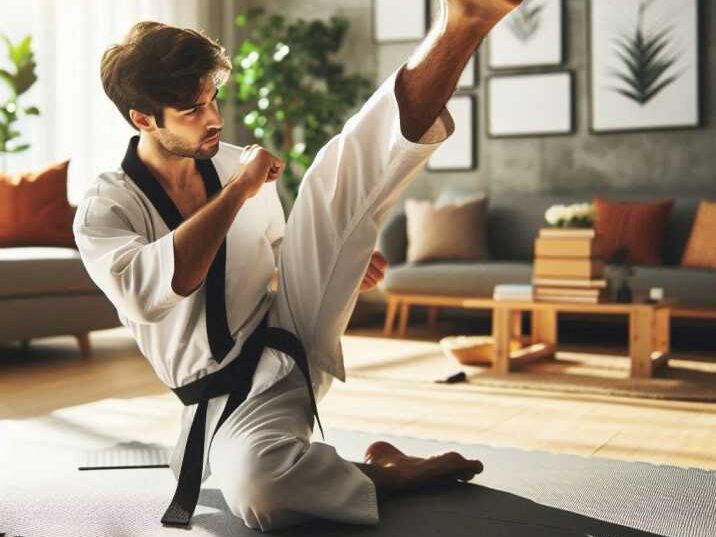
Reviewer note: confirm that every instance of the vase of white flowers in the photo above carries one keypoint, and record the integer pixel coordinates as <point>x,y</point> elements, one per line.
<point>580,215</point>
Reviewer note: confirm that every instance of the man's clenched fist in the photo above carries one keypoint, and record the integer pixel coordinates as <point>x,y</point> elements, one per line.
<point>375,272</point>
<point>256,167</point>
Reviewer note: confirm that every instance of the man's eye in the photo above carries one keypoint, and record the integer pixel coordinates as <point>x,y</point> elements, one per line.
<point>192,111</point>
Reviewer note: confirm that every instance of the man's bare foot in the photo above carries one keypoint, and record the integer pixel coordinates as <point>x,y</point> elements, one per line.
<point>485,13</point>
<point>410,472</point>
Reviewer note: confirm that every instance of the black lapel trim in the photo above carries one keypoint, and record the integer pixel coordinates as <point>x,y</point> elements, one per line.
<point>217,324</point>
<point>145,180</point>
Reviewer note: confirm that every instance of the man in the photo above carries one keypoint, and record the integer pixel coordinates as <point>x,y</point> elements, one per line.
<point>184,242</point>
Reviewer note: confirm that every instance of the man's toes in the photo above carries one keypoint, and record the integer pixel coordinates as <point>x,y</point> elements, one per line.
<point>379,450</point>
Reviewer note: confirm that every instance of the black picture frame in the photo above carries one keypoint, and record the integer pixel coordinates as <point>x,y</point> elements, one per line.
<point>700,62</point>
<point>572,106</point>
<point>471,133</point>
<point>374,21</point>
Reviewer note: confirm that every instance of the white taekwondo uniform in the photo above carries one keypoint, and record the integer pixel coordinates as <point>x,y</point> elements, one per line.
<point>269,471</point>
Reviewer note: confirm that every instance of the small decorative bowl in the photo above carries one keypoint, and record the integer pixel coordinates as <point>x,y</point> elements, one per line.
<point>472,350</point>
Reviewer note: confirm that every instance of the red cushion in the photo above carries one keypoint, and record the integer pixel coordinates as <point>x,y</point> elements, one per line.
<point>34,210</point>
<point>636,226</point>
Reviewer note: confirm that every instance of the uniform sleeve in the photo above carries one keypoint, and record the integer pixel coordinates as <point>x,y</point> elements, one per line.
<point>135,274</point>
<point>277,220</point>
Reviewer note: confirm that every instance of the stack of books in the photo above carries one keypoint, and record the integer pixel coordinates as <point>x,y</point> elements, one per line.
<point>512,292</point>
<point>568,266</point>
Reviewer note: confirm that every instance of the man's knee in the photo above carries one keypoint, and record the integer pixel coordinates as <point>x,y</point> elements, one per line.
<point>256,492</point>
<point>251,498</point>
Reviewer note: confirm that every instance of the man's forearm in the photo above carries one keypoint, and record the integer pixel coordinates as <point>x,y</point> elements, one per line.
<point>198,238</point>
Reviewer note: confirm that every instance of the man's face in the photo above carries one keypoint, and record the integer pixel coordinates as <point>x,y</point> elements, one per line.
<point>194,131</point>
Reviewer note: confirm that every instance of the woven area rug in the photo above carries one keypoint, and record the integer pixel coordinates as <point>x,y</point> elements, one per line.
<point>598,372</point>
<point>520,493</point>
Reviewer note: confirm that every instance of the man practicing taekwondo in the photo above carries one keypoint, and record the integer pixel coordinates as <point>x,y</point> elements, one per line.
<point>184,241</point>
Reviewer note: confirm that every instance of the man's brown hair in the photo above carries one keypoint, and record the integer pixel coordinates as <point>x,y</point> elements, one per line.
<point>158,65</point>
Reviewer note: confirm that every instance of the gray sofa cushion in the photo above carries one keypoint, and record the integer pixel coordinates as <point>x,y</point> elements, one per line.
<point>455,279</point>
<point>693,287</point>
<point>45,316</point>
<point>34,271</point>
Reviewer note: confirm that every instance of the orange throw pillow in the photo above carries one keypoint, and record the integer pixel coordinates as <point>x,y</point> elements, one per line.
<point>34,210</point>
<point>700,250</point>
<point>636,226</point>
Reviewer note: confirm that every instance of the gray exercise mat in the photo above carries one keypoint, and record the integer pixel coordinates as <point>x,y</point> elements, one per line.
<point>520,493</point>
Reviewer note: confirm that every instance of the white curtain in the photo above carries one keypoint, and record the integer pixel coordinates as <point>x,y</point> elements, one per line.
<point>77,121</point>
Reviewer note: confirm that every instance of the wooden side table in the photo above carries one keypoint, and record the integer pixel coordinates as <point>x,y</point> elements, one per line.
<point>649,326</point>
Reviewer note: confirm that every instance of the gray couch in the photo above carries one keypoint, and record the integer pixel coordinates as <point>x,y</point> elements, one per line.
<point>45,291</point>
<point>513,223</point>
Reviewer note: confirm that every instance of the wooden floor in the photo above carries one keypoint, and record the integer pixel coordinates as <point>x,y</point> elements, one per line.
<point>53,375</point>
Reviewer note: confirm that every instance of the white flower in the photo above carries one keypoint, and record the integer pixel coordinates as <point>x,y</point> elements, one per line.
<point>565,214</point>
<point>553,215</point>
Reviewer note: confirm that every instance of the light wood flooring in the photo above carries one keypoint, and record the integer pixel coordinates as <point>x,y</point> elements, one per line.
<point>53,375</point>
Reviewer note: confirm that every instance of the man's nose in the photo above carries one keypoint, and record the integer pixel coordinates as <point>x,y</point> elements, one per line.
<point>216,121</point>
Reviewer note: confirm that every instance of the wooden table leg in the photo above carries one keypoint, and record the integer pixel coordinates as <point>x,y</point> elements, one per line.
<point>516,325</point>
<point>662,338</point>
<point>404,314</point>
<point>641,341</point>
<point>501,328</point>
<point>433,312</point>
<point>83,340</point>
<point>662,333</point>
<point>544,326</point>
<point>390,312</point>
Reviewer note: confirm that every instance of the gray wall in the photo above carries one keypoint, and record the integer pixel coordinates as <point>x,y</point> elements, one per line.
<point>656,161</point>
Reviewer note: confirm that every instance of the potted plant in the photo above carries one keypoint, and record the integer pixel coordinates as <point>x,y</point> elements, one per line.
<point>18,80</point>
<point>293,95</point>
<point>620,276</point>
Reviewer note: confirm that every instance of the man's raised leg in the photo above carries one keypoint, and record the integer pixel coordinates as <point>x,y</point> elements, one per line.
<point>423,87</point>
<point>347,193</point>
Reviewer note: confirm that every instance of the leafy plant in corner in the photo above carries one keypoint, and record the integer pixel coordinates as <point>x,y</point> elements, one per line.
<point>525,20</point>
<point>18,80</point>
<point>292,94</point>
<point>646,61</point>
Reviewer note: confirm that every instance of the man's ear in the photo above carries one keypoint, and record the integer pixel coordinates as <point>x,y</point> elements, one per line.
<point>143,122</point>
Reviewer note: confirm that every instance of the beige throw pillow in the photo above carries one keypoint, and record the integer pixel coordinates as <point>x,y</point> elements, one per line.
<point>453,231</point>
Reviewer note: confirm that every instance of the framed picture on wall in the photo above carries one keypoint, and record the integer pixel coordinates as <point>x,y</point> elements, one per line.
<point>530,105</point>
<point>395,21</point>
<point>532,35</point>
<point>644,64</point>
<point>458,153</point>
<point>470,75</point>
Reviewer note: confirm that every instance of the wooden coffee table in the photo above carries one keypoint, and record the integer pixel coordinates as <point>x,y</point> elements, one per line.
<point>649,326</point>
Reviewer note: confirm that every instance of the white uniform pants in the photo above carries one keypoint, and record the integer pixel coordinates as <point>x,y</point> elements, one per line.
<point>269,471</point>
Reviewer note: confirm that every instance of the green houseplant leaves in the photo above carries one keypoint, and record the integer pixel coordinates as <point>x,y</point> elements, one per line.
<point>293,95</point>
<point>17,80</point>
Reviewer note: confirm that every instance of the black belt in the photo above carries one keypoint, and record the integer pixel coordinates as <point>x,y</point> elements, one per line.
<point>235,379</point>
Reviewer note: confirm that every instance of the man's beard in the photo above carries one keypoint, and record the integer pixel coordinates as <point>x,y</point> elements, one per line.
<point>176,146</point>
